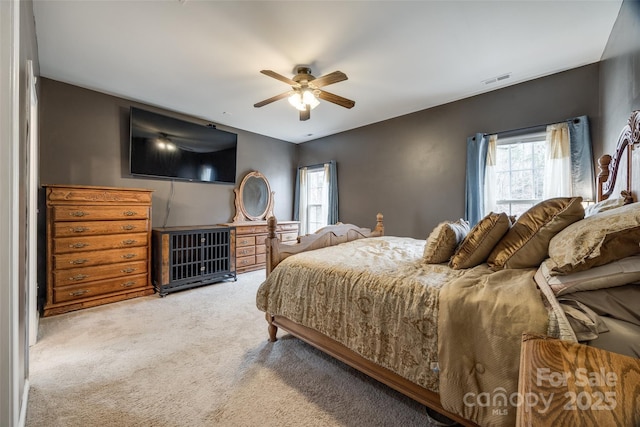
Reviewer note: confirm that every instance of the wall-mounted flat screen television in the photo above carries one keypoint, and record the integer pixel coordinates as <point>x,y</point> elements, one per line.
<point>170,148</point>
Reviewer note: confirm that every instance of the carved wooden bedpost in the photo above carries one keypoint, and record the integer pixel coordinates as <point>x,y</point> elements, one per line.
<point>272,255</point>
<point>379,225</point>
<point>273,329</point>
<point>272,244</point>
<point>603,176</point>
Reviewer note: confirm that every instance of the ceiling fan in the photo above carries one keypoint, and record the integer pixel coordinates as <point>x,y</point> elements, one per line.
<point>305,89</point>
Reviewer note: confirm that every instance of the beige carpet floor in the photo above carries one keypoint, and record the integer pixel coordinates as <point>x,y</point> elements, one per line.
<point>196,358</point>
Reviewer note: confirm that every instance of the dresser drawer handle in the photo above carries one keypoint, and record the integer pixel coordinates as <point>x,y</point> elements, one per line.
<point>244,242</point>
<point>244,261</point>
<point>128,270</point>
<point>79,229</point>
<point>78,277</point>
<point>128,256</point>
<point>78,213</point>
<point>78,261</point>
<point>78,293</point>
<point>129,242</point>
<point>128,284</point>
<point>128,227</point>
<point>78,245</point>
<point>129,213</point>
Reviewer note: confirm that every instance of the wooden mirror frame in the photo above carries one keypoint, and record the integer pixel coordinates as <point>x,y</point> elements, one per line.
<point>241,212</point>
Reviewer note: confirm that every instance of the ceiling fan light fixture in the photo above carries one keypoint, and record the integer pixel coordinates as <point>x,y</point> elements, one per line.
<point>306,90</point>
<point>301,98</point>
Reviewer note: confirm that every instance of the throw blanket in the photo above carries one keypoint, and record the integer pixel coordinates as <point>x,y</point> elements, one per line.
<point>482,318</point>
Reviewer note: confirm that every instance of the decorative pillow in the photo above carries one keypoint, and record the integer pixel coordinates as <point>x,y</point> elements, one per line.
<point>617,273</point>
<point>475,248</point>
<point>597,240</point>
<point>527,242</point>
<point>443,241</point>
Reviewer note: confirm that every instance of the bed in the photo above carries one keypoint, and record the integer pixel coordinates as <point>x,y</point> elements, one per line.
<point>448,334</point>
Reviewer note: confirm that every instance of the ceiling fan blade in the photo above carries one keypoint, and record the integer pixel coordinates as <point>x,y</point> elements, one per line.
<point>305,114</point>
<point>280,77</point>
<point>343,102</point>
<point>270,100</point>
<point>331,78</point>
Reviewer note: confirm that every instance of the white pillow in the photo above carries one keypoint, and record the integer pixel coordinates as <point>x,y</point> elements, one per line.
<point>602,206</point>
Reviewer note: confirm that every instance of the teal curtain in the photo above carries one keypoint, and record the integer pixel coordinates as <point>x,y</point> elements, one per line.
<point>333,193</point>
<point>296,198</point>
<point>582,167</point>
<point>474,188</point>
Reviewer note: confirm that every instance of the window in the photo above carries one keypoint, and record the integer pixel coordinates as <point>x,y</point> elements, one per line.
<point>519,173</point>
<point>316,200</point>
<point>512,173</point>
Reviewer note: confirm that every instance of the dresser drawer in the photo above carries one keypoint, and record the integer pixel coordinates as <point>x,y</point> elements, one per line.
<point>92,243</point>
<point>245,261</point>
<point>287,227</point>
<point>251,229</point>
<point>245,251</point>
<point>288,237</point>
<point>260,249</point>
<point>88,259</point>
<point>91,228</point>
<point>101,195</point>
<point>261,239</point>
<point>98,288</point>
<point>100,272</point>
<point>261,258</point>
<point>245,241</point>
<point>98,213</point>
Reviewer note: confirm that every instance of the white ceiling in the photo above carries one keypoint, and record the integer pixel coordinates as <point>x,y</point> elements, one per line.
<point>203,58</point>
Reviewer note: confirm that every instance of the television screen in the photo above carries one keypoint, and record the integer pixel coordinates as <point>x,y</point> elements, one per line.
<point>170,148</point>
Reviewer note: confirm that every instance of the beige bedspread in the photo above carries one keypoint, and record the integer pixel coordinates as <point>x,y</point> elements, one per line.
<point>377,297</point>
<point>372,295</point>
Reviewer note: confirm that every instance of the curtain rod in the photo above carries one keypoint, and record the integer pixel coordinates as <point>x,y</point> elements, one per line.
<point>519,130</point>
<point>317,165</point>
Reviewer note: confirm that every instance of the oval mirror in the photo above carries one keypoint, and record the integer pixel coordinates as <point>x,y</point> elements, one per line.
<point>254,198</point>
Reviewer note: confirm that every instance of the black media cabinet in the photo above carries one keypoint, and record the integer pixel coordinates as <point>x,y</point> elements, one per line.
<point>185,257</point>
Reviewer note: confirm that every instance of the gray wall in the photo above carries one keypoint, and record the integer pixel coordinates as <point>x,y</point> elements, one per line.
<point>620,74</point>
<point>412,168</point>
<point>84,140</point>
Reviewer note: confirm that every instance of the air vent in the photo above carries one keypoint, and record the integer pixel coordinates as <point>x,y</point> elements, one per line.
<point>497,79</point>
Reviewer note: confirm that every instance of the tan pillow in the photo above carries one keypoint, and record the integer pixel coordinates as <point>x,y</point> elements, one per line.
<point>475,248</point>
<point>443,241</point>
<point>597,240</point>
<point>526,244</point>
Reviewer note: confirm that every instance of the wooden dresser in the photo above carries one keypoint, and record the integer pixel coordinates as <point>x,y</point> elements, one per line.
<point>98,246</point>
<point>250,242</point>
